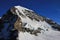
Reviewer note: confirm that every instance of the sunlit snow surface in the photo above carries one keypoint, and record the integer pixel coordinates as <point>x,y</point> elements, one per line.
<point>32,24</point>
<point>44,35</point>
<point>50,35</point>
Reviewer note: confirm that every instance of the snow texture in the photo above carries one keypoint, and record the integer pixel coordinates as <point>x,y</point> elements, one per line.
<point>33,24</point>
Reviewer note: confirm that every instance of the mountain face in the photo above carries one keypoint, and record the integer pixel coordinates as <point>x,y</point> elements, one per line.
<point>20,23</point>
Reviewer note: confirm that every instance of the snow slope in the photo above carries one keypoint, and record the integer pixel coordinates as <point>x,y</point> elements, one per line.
<point>51,35</point>
<point>34,25</point>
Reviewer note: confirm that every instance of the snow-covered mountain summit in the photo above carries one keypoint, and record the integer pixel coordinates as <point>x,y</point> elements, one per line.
<point>29,17</point>
<point>30,20</point>
<point>29,25</point>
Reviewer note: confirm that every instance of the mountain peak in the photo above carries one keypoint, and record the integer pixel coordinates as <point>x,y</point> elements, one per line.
<point>27,23</point>
<point>22,8</point>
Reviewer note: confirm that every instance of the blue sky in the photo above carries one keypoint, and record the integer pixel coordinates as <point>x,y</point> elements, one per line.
<point>47,8</point>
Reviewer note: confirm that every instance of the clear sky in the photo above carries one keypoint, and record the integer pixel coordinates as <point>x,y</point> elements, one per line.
<point>47,8</point>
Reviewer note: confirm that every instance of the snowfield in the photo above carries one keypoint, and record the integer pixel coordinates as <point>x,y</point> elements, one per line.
<point>50,35</point>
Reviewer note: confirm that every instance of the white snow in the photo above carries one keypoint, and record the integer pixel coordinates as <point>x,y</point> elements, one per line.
<point>50,35</point>
<point>33,24</point>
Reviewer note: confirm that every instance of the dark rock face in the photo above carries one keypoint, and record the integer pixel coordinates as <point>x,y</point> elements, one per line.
<point>7,25</point>
<point>1,24</point>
